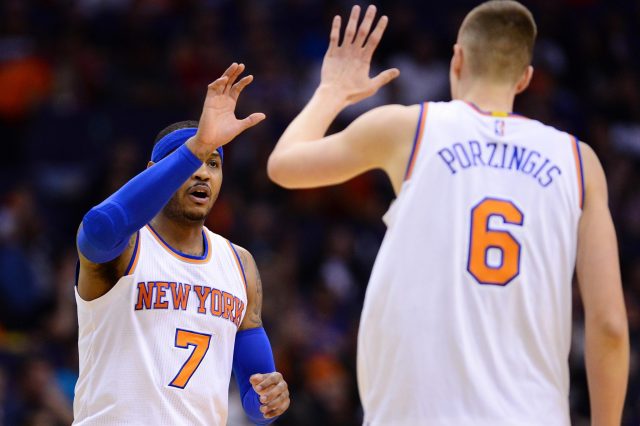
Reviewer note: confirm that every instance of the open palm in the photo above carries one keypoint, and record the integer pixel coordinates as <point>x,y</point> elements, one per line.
<point>218,122</point>
<point>346,66</point>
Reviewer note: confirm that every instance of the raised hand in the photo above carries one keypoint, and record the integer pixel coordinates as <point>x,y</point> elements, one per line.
<point>345,69</point>
<point>218,122</point>
<point>273,392</point>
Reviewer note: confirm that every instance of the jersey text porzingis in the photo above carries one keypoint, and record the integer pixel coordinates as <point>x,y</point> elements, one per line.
<point>500,155</point>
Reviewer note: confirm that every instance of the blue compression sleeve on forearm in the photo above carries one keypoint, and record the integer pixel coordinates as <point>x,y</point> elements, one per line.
<point>106,228</point>
<point>251,355</point>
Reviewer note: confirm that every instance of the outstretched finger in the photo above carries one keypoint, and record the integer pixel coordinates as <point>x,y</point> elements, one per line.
<point>376,35</point>
<point>218,85</point>
<point>233,77</point>
<point>230,70</point>
<point>365,26</point>
<point>251,120</point>
<point>350,31</point>
<point>334,37</point>
<point>385,77</point>
<point>237,88</point>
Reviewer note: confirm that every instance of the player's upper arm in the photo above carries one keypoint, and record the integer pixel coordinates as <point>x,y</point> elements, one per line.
<point>253,315</point>
<point>380,138</point>
<point>96,279</point>
<point>597,263</point>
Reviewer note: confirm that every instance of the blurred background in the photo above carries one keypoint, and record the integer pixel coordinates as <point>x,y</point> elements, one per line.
<point>85,85</point>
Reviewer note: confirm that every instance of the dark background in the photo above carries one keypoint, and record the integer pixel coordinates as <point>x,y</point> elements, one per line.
<point>85,86</point>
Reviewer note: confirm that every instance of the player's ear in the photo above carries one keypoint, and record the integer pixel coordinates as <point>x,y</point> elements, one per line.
<point>150,163</point>
<point>456,60</point>
<point>455,69</point>
<point>524,81</point>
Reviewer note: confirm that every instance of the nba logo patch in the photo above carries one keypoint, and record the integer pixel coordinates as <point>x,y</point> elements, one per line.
<point>499,127</point>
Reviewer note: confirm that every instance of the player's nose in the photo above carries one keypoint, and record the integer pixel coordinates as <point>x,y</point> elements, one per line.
<point>202,173</point>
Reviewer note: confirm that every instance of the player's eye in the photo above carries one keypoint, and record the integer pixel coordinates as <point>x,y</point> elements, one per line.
<point>213,163</point>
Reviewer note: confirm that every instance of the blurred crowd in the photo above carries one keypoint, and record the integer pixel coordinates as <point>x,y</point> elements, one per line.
<point>85,85</point>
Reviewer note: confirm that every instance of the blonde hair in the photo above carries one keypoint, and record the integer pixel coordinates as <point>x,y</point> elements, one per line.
<point>497,38</point>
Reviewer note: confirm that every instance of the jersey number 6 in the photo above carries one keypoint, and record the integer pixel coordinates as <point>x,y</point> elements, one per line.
<point>200,342</point>
<point>483,238</point>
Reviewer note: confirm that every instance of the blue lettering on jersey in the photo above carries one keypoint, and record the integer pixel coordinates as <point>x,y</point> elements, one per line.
<point>500,155</point>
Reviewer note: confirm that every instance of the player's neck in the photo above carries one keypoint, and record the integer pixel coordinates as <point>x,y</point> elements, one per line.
<point>185,237</point>
<point>488,97</point>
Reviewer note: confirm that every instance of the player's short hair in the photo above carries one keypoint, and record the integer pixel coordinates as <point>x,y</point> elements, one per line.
<point>175,126</point>
<point>498,37</point>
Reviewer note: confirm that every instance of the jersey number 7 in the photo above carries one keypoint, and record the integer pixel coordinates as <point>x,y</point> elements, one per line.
<point>200,342</point>
<point>483,238</point>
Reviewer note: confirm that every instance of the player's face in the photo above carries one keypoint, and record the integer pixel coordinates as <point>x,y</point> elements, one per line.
<point>195,198</point>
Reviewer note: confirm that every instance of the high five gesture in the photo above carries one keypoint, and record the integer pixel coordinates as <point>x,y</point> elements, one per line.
<point>372,141</point>
<point>218,122</point>
<point>345,69</point>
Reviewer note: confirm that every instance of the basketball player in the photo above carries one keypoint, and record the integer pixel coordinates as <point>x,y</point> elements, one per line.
<point>467,316</point>
<point>166,307</point>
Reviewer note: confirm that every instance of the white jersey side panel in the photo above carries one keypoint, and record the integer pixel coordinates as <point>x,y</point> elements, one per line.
<point>158,347</point>
<point>467,316</point>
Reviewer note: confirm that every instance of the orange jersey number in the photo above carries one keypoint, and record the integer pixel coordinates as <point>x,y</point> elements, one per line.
<point>483,239</point>
<point>200,342</point>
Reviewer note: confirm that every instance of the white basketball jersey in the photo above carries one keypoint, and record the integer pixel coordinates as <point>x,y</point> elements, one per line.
<point>157,349</point>
<point>467,316</point>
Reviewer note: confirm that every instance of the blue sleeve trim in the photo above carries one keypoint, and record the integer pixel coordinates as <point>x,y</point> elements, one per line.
<point>416,140</point>
<point>581,171</point>
<point>205,252</point>
<point>77,274</point>
<point>134,256</point>
<point>252,355</point>
<point>244,275</point>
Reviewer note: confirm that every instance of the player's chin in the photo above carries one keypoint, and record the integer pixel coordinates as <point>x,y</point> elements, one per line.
<point>197,214</point>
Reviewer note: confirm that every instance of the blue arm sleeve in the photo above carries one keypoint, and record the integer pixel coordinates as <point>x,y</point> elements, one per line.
<point>106,228</point>
<point>252,354</point>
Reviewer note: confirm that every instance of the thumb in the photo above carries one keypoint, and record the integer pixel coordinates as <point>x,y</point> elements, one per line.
<point>255,379</point>
<point>252,120</point>
<point>385,77</point>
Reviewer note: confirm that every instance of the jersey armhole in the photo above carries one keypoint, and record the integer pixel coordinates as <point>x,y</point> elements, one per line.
<point>134,257</point>
<point>77,274</point>
<point>238,264</point>
<point>130,268</point>
<point>577,156</point>
<point>417,140</point>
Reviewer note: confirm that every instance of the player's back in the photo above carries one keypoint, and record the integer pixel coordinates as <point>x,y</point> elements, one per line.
<point>467,318</point>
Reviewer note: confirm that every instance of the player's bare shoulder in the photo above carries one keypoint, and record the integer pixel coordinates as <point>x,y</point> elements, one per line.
<point>388,132</point>
<point>253,317</point>
<point>594,177</point>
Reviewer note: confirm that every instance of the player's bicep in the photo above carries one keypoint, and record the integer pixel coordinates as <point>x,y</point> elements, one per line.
<point>597,263</point>
<point>371,141</point>
<point>328,161</point>
<point>253,315</point>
